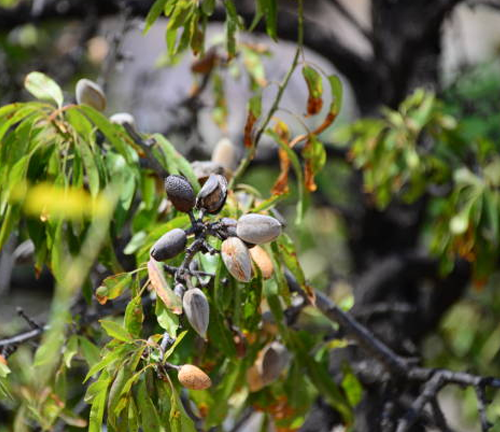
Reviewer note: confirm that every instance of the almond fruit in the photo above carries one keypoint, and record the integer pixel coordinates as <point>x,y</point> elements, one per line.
<point>193,377</point>
<point>237,259</point>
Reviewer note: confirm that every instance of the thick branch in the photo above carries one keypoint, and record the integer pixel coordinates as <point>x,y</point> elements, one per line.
<point>362,335</point>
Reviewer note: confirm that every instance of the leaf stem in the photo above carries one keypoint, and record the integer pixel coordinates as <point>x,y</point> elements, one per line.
<point>245,162</point>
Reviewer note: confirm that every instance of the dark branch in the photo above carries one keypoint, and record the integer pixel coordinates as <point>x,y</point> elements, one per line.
<point>362,335</point>
<point>429,392</point>
<point>146,146</point>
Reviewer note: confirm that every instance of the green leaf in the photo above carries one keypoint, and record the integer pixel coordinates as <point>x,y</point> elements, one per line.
<point>109,358</point>
<point>89,351</point>
<point>154,13</point>
<point>166,318</point>
<point>70,350</point>
<point>43,87</point>
<point>172,155</point>
<point>270,11</point>
<point>208,7</point>
<point>116,331</point>
<point>150,420</point>
<point>337,94</point>
<point>115,393</point>
<point>128,385</point>
<point>91,168</point>
<point>250,310</point>
<point>7,224</point>
<point>231,27</point>
<point>320,377</point>
<point>178,340</point>
<point>134,316</point>
<point>109,130</point>
<point>98,404</point>
<point>288,254</point>
<point>219,333</point>
<point>232,378</point>
<point>5,392</point>
<point>259,13</point>
<point>352,387</point>
<point>313,81</point>
<point>175,411</point>
<point>135,243</point>
<point>4,370</point>
<point>133,416</point>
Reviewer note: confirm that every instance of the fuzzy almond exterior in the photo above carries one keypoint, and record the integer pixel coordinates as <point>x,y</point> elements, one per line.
<point>197,310</point>
<point>257,229</point>
<point>262,259</point>
<point>237,259</point>
<point>90,93</point>
<point>224,154</point>
<point>193,378</point>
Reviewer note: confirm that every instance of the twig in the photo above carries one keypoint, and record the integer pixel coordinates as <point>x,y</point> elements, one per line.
<point>432,379</point>
<point>191,251</point>
<point>146,146</point>
<point>430,390</point>
<point>165,342</point>
<point>363,336</point>
<point>241,421</point>
<point>22,337</point>
<point>30,322</point>
<point>382,309</point>
<point>245,162</point>
<point>172,270</point>
<point>117,307</point>
<point>198,422</point>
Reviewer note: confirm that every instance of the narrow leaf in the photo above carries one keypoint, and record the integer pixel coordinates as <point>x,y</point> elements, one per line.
<point>43,87</point>
<point>163,291</point>
<point>154,14</point>
<point>116,331</point>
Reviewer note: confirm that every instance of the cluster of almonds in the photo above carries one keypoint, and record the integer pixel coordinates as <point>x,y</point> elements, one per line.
<point>240,245</point>
<point>238,237</point>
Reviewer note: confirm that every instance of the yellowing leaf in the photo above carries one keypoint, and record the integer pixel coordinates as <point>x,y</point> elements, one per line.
<point>43,87</point>
<point>315,87</point>
<point>254,111</point>
<point>112,287</point>
<point>315,157</point>
<point>160,285</point>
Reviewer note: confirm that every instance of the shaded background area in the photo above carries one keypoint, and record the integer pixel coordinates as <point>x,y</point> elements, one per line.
<point>383,50</point>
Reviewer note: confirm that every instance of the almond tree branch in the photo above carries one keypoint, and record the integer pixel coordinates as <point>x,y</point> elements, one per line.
<point>431,379</point>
